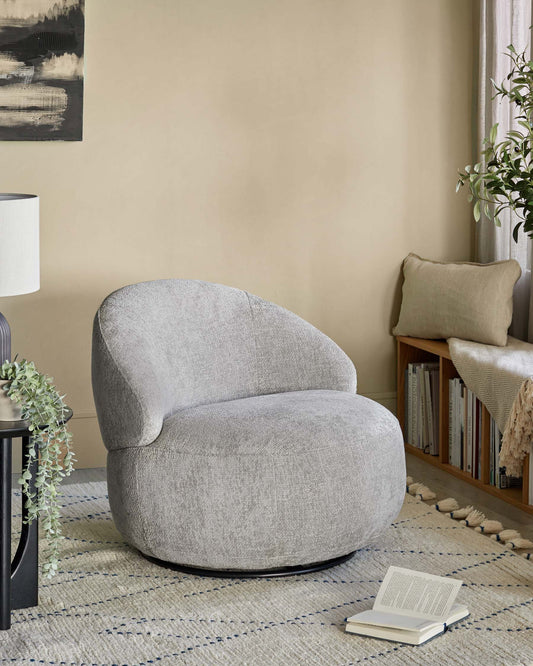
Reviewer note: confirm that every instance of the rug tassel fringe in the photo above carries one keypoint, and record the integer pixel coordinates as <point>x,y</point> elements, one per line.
<point>506,535</point>
<point>490,527</point>
<point>425,493</point>
<point>459,514</point>
<point>519,544</point>
<point>447,505</point>
<point>472,518</point>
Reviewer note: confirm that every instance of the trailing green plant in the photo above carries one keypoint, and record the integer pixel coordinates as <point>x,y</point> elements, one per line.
<point>50,443</point>
<point>503,180</point>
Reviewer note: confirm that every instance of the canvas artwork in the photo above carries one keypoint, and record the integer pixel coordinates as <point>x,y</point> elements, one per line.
<point>41,70</point>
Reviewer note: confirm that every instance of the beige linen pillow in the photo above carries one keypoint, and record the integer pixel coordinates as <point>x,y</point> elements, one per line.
<point>457,300</point>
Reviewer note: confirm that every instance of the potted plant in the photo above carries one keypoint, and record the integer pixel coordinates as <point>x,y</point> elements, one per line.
<point>503,180</point>
<point>43,409</point>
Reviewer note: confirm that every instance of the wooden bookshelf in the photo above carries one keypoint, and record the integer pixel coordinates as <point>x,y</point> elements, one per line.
<point>413,350</point>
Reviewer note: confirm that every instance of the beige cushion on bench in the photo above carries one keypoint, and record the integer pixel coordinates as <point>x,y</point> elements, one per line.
<point>457,300</point>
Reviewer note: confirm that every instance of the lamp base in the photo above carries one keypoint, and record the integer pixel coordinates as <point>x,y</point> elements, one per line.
<point>5,340</point>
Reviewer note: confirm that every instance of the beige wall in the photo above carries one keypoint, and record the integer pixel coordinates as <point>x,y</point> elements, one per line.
<point>295,148</point>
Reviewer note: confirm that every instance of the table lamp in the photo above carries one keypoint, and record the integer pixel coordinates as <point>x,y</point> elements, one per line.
<point>19,254</point>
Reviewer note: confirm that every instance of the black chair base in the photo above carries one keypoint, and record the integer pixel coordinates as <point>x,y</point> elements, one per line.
<point>261,573</point>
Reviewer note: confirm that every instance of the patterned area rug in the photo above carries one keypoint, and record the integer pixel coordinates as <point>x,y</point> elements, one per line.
<point>109,606</point>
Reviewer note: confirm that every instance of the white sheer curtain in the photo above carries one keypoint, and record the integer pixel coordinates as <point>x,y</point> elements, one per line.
<point>502,22</point>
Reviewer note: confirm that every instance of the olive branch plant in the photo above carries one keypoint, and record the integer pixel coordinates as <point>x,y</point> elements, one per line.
<point>503,180</point>
<point>50,443</point>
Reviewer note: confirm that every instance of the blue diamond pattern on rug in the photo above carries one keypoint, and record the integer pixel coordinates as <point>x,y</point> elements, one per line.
<point>108,605</point>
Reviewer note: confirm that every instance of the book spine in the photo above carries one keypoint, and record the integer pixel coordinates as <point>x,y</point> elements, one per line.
<point>530,477</point>
<point>460,407</point>
<point>451,424</point>
<point>458,423</point>
<point>491,452</point>
<point>410,400</point>
<point>454,430</point>
<point>429,410</point>
<point>415,408</point>
<point>436,409</point>
<point>423,408</point>
<point>479,418</point>
<point>499,480</point>
<point>475,452</point>
<point>469,432</point>
<point>406,405</point>
<point>463,428</point>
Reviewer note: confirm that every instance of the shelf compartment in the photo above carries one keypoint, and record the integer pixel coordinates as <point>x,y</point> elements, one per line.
<point>413,350</point>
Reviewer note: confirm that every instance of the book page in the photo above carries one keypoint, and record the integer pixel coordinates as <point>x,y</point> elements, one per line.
<point>392,620</point>
<point>417,594</point>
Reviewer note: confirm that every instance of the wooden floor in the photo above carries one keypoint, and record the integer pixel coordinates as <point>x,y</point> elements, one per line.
<point>445,485</point>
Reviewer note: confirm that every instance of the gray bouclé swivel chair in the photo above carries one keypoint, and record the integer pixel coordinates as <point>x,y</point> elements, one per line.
<point>237,443</point>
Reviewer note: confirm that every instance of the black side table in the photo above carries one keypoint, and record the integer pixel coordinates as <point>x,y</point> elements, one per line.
<point>18,579</point>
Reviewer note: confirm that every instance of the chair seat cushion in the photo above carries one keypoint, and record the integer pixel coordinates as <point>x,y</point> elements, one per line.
<point>262,482</point>
<point>280,424</point>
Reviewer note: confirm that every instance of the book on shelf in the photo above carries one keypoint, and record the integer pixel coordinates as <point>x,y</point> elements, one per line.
<point>477,447</point>
<point>469,427</point>
<point>456,422</point>
<point>422,406</point>
<point>530,492</point>
<point>410,607</point>
<point>435,403</point>
<point>421,402</point>
<point>498,477</point>
<point>464,437</point>
<point>464,441</point>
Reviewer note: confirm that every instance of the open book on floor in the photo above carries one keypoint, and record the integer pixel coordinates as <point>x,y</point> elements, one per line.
<point>411,607</point>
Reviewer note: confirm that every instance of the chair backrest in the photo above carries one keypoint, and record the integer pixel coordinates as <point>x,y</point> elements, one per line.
<point>180,343</point>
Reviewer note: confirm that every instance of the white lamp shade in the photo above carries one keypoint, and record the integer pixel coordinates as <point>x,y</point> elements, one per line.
<point>19,244</point>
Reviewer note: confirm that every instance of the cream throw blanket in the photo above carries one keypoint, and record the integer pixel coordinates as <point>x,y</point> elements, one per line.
<point>502,378</point>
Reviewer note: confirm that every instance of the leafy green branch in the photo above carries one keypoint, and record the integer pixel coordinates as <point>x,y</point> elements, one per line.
<point>44,410</point>
<point>503,180</point>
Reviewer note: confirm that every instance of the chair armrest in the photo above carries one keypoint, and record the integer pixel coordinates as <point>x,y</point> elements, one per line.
<point>127,395</point>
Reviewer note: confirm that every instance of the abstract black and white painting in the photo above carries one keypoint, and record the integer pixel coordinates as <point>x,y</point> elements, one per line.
<point>41,70</point>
